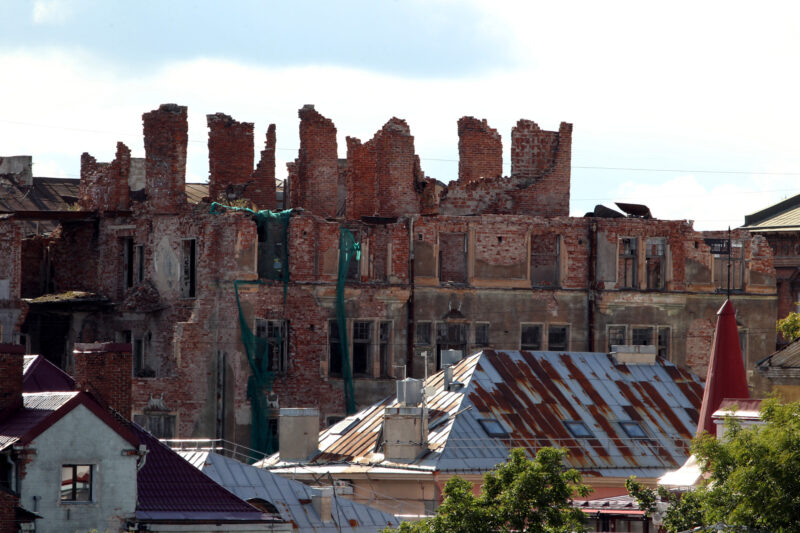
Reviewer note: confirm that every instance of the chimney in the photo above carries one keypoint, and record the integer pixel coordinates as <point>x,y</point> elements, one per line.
<point>322,502</point>
<point>405,432</point>
<point>11,359</point>
<point>166,134</point>
<point>105,369</point>
<point>409,392</point>
<point>298,433</point>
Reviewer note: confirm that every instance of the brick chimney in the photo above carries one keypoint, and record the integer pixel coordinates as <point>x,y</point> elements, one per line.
<point>166,134</point>
<point>11,358</point>
<point>105,369</point>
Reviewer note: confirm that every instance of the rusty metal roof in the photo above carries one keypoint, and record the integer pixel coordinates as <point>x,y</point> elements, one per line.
<point>615,420</point>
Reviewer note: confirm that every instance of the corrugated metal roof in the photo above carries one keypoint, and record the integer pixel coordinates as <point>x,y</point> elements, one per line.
<point>782,216</point>
<point>40,375</point>
<point>531,395</point>
<point>249,482</point>
<point>36,408</point>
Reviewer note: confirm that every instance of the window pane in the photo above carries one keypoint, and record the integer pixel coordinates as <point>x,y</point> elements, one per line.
<point>83,483</point>
<point>616,336</point>
<point>557,338</point>
<point>67,482</point>
<point>531,337</point>
<point>642,336</point>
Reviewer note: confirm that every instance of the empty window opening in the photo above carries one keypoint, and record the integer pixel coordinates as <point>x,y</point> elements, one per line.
<point>138,253</point>
<point>545,260</point>
<point>664,335</point>
<point>385,349</point>
<point>450,336</point>
<point>127,262</point>
<point>616,336</point>
<point>558,338</point>
<point>482,334</point>
<point>628,263</point>
<point>530,337</point>
<point>642,336</point>
<point>453,257</point>
<point>334,349</point>
<point>362,344</point>
<point>656,262</point>
<point>423,333</point>
<point>137,347</point>
<point>189,268</point>
<point>272,344</point>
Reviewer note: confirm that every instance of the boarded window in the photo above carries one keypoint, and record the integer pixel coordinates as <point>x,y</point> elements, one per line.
<point>628,263</point>
<point>558,338</point>
<point>656,262</point>
<point>721,268</point>
<point>189,268</point>
<point>545,260</point>
<point>616,336</point>
<point>334,349</point>
<point>362,344</point>
<point>664,335</point>
<point>453,257</point>
<point>482,334</point>
<point>275,343</point>
<point>385,347</point>
<point>642,336</point>
<point>530,337</point>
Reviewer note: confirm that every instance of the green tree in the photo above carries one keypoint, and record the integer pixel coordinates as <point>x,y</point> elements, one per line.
<point>521,495</point>
<point>789,326</point>
<point>753,477</point>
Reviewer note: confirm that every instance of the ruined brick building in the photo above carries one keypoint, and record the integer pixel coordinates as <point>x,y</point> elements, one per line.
<point>486,261</point>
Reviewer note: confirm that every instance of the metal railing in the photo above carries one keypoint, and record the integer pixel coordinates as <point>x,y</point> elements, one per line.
<point>219,446</point>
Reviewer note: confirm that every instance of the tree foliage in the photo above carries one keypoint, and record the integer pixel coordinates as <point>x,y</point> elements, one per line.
<point>753,477</point>
<point>521,495</point>
<point>789,326</point>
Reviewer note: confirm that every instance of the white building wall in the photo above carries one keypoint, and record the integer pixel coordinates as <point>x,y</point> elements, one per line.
<point>80,438</point>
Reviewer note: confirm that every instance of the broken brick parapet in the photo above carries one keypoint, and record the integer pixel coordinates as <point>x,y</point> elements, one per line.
<point>230,156</point>
<point>262,190</point>
<point>314,178</point>
<point>104,186</point>
<point>166,134</point>
<point>480,150</point>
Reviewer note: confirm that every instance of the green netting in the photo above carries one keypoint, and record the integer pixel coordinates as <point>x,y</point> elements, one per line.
<point>273,252</point>
<point>348,248</point>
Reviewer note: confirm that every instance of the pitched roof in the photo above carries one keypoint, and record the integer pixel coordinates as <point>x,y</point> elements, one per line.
<point>638,418</point>
<point>726,376</point>
<point>43,409</point>
<point>40,375</point>
<point>784,363</point>
<point>783,216</point>
<point>291,498</point>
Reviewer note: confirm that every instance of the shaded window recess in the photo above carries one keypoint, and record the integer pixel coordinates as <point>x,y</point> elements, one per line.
<point>558,338</point>
<point>385,349</point>
<point>656,262</point>
<point>354,269</point>
<point>334,349</point>
<point>482,334</point>
<point>450,336</point>
<point>633,430</point>
<point>530,337</point>
<point>161,425</point>
<point>189,268</point>
<point>453,258</point>
<point>545,260</point>
<point>628,263</point>
<point>579,430</point>
<point>664,337</point>
<point>492,427</point>
<point>642,336</point>
<point>736,268</point>
<point>127,262</point>
<point>137,347</point>
<point>273,343</point>
<point>138,254</point>
<point>76,483</point>
<point>362,348</point>
<point>422,332</point>
<point>271,252</point>
<point>617,336</point>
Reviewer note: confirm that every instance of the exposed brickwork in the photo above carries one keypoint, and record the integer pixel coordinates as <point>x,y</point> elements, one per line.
<point>230,157</point>
<point>8,519</point>
<point>262,187</point>
<point>315,179</point>
<point>104,186</point>
<point>11,359</point>
<point>105,369</point>
<point>166,134</point>
<point>480,150</point>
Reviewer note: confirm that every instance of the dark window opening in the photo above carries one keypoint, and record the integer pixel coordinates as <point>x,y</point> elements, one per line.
<point>616,336</point>
<point>272,344</point>
<point>137,347</point>
<point>189,269</point>
<point>127,261</point>
<point>450,336</point>
<point>385,337</point>
<point>628,263</point>
<point>642,336</point>
<point>482,334</point>
<point>663,342</point>
<point>423,333</point>
<point>138,253</point>
<point>354,269</point>
<point>656,262</point>
<point>545,260</point>
<point>76,483</point>
<point>334,349</point>
<point>558,338</point>
<point>530,337</point>
<point>362,344</point>
<point>271,252</point>
<point>453,257</point>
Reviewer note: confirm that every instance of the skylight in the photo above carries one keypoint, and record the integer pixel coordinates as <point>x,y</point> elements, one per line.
<point>579,430</point>
<point>493,428</point>
<point>633,430</point>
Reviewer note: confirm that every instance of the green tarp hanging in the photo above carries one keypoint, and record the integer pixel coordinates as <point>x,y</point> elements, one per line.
<point>348,249</point>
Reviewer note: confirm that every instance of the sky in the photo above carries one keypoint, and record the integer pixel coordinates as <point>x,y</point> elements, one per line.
<point>688,107</point>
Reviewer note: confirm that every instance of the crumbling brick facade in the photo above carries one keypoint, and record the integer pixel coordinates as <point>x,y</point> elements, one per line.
<point>485,261</point>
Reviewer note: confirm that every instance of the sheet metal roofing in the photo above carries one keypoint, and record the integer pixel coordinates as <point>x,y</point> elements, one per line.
<point>40,375</point>
<point>291,498</point>
<point>615,420</point>
<point>783,216</point>
<point>36,409</point>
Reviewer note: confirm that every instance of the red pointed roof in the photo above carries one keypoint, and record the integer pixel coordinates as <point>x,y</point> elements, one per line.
<point>726,376</point>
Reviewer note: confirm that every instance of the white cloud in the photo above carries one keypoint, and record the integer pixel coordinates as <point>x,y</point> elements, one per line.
<point>51,11</point>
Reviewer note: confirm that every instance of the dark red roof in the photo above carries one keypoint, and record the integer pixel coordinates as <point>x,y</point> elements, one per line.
<point>726,377</point>
<point>40,375</point>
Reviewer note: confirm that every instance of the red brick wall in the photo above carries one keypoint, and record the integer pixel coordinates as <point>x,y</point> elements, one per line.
<point>262,189</point>
<point>11,359</point>
<point>230,156</point>
<point>314,184</point>
<point>166,133</point>
<point>480,150</point>
<point>11,257</point>
<point>8,501</point>
<point>105,369</point>
<point>104,186</point>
